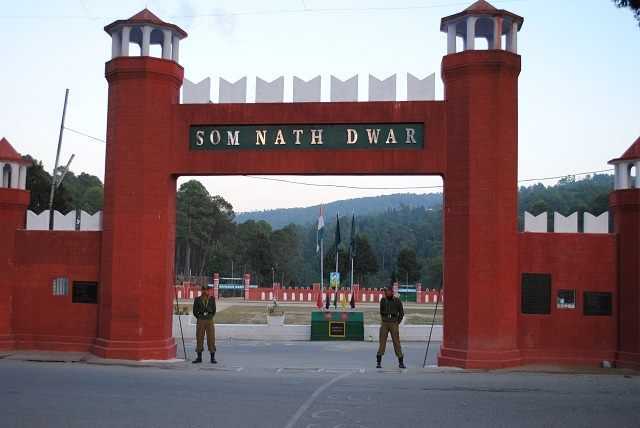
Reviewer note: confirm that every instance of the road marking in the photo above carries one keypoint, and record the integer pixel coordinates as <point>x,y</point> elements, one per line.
<point>305,406</point>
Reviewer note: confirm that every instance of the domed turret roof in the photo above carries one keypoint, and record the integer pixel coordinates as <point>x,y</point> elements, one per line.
<point>145,16</point>
<point>632,153</point>
<point>9,154</point>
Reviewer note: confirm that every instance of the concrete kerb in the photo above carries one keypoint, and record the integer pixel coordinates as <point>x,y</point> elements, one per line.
<point>48,356</point>
<point>179,364</point>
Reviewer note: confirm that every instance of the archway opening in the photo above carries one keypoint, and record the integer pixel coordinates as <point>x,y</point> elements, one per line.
<point>270,238</point>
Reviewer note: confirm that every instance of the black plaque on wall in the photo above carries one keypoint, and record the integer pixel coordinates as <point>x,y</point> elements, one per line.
<point>597,303</point>
<point>337,329</point>
<point>85,292</point>
<point>536,293</point>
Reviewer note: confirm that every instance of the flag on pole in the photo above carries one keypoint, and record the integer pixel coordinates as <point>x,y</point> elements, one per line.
<point>320,229</point>
<point>337,238</point>
<point>352,244</point>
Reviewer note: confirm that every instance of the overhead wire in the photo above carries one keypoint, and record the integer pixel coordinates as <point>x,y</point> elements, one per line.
<point>346,186</point>
<point>304,10</point>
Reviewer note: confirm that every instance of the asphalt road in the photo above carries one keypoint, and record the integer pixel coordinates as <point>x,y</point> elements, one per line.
<point>344,355</point>
<point>295,394</point>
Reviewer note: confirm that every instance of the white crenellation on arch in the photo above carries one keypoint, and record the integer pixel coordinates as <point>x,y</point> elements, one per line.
<point>86,221</point>
<point>270,92</point>
<point>562,224</point>
<point>536,224</point>
<point>233,92</point>
<point>274,91</point>
<point>421,89</point>
<point>306,90</point>
<point>593,224</point>
<point>382,90</point>
<point>568,224</point>
<point>344,90</point>
<point>196,93</point>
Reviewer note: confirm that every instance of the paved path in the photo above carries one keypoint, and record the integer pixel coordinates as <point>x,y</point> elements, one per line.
<point>307,385</point>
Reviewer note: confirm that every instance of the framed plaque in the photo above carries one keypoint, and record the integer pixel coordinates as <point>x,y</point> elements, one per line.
<point>536,293</point>
<point>84,292</point>
<point>337,329</point>
<point>597,303</point>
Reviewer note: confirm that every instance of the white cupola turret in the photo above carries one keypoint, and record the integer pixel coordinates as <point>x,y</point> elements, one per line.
<point>145,29</point>
<point>13,168</point>
<point>627,168</point>
<point>482,20</point>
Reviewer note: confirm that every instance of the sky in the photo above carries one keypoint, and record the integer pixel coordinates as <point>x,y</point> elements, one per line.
<point>578,89</point>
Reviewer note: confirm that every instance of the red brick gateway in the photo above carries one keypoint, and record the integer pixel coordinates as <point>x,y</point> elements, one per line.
<point>470,139</point>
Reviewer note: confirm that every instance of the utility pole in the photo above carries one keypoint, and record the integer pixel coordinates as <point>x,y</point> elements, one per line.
<point>54,181</point>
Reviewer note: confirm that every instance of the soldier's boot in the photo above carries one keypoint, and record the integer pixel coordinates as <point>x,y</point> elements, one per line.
<point>378,361</point>
<point>401,363</point>
<point>198,359</point>
<point>213,358</point>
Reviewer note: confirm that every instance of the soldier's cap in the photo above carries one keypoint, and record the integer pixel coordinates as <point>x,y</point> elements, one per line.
<point>390,287</point>
<point>206,287</point>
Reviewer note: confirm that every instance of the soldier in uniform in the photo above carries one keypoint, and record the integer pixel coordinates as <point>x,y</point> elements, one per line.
<point>204,308</point>
<point>391,312</point>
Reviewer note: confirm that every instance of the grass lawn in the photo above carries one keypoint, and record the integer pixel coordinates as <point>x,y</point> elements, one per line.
<point>301,314</point>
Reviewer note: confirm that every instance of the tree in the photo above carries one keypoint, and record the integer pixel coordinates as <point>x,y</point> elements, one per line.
<point>202,222</point>
<point>286,246</point>
<point>408,266</point>
<point>86,191</point>
<point>634,5</point>
<point>365,262</point>
<point>39,183</point>
<point>254,249</point>
<point>433,273</point>
<point>93,199</point>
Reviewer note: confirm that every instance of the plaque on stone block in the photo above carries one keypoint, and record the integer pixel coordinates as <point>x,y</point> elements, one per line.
<point>85,292</point>
<point>597,303</point>
<point>536,293</point>
<point>337,329</point>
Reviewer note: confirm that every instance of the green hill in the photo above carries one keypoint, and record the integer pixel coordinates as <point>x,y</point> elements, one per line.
<point>279,218</point>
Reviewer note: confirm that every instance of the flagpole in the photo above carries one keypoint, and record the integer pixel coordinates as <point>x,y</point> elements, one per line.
<point>352,274</point>
<point>337,243</point>
<point>321,268</point>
